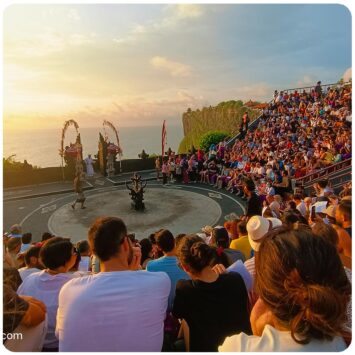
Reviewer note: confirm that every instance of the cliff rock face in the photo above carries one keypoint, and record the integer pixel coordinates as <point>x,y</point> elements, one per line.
<point>226,117</point>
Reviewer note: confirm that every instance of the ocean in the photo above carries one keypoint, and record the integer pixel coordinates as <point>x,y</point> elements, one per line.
<point>40,147</point>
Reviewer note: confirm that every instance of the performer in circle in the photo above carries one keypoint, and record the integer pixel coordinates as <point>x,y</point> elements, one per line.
<point>78,188</point>
<point>157,167</point>
<point>89,166</point>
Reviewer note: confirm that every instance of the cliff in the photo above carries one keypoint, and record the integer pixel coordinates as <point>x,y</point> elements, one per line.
<point>226,117</point>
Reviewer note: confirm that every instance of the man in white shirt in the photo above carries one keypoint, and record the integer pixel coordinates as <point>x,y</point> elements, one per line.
<point>118,309</point>
<point>58,256</point>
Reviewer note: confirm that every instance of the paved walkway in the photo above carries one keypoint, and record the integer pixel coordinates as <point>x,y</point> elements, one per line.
<point>60,187</point>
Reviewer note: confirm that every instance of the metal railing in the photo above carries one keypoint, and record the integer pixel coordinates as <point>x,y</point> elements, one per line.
<point>331,170</point>
<point>310,88</point>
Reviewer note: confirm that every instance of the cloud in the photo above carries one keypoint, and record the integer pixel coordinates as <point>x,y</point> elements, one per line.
<point>347,75</point>
<point>175,69</point>
<point>173,17</point>
<point>255,92</point>
<point>73,15</point>
<point>183,11</point>
<point>307,80</point>
<point>46,43</point>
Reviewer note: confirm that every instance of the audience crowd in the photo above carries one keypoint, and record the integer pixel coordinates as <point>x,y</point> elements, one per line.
<point>277,278</point>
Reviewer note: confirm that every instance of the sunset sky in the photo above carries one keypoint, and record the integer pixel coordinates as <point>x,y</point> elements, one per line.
<point>140,64</point>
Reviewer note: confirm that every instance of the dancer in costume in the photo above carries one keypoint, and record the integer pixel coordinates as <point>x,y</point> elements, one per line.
<point>78,188</point>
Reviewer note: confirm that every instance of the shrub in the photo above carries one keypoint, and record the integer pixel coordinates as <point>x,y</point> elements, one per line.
<point>212,137</point>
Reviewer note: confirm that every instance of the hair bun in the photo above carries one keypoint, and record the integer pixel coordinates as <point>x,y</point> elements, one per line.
<point>200,250</point>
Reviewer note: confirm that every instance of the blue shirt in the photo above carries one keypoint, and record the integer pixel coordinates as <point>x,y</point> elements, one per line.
<point>169,264</point>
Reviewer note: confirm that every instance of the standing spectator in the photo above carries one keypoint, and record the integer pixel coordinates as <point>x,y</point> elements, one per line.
<point>303,302</point>
<point>244,125</point>
<point>130,305</point>
<point>167,263</point>
<point>172,167</point>
<point>318,90</point>
<point>254,206</point>
<point>165,171</point>
<point>32,262</point>
<point>201,301</point>
<point>58,256</point>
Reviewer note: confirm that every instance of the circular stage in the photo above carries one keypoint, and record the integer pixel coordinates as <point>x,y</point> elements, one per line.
<point>177,210</point>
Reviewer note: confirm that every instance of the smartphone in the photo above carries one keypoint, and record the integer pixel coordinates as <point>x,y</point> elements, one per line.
<point>313,213</point>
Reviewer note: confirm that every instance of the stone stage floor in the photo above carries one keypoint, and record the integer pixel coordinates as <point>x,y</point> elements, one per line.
<point>179,208</point>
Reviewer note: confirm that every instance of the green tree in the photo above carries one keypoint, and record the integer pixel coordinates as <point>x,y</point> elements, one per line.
<point>212,137</point>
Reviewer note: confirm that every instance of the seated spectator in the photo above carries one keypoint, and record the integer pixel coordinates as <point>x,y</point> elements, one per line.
<point>13,248</point>
<point>58,256</point>
<point>46,236</point>
<point>327,232</point>
<point>12,277</point>
<point>32,262</point>
<point>322,189</point>
<point>242,243</point>
<point>343,215</point>
<point>84,251</point>
<point>284,186</point>
<point>157,253</point>
<point>231,226</point>
<point>132,304</point>
<point>201,301</point>
<point>308,204</point>
<point>344,239</point>
<point>226,255</point>
<point>292,220</point>
<point>15,231</point>
<point>257,227</point>
<point>23,315</point>
<point>167,263</point>
<point>300,205</point>
<point>302,304</point>
<point>147,252</point>
<point>26,240</point>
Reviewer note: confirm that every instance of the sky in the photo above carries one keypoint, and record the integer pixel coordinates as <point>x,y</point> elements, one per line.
<point>137,65</point>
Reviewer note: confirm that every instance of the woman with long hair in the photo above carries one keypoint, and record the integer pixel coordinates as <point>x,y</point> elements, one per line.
<point>303,296</point>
